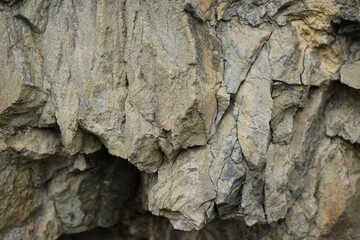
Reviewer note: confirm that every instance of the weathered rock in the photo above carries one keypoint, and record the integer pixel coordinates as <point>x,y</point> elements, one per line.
<point>239,52</point>
<point>286,57</point>
<point>180,94</point>
<point>343,116</point>
<point>55,193</point>
<point>350,74</point>
<point>237,112</point>
<point>255,105</point>
<point>22,93</point>
<point>227,167</point>
<point>183,191</point>
<point>253,130</point>
<point>287,100</point>
<point>81,193</point>
<point>35,13</point>
<point>286,162</point>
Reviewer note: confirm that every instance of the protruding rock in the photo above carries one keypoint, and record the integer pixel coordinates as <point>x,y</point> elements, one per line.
<point>183,191</point>
<point>350,74</point>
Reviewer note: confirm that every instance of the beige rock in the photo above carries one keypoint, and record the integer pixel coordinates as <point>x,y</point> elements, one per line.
<point>183,191</point>
<point>287,99</point>
<point>227,168</point>
<point>221,9</point>
<point>21,94</point>
<point>283,161</point>
<point>32,143</point>
<point>102,105</point>
<point>233,108</point>
<point>36,13</point>
<point>240,52</point>
<point>177,100</point>
<point>343,116</point>
<point>286,57</point>
<point>350,74</point>
<point>141,139</point>
<point>255,104</point>
<point>223,102</point>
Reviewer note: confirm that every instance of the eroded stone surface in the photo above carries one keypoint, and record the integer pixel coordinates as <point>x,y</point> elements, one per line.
<point>350,75</point>
<point>242,111</point>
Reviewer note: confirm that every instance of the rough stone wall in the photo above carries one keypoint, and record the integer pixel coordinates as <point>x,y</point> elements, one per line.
<point>240,118</point>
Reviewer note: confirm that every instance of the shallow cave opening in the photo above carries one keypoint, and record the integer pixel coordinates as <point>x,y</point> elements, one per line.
<point>95,234</point>
<point>349,28</point>
<point>115,183</point>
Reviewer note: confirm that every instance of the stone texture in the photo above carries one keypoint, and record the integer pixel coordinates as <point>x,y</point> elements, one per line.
<point>239,52</point>
<point>350,74</point>
<point>187,209</point>
<point>343,120</point>
<point>47,193</point>
<point>242,116</point>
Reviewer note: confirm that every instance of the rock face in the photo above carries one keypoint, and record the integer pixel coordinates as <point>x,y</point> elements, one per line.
<point>234,118</point>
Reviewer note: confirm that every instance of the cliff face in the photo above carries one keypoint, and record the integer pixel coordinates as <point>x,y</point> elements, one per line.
<point>243,111</point>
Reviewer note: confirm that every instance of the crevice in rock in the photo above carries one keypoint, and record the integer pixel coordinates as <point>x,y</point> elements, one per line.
<point>348,28</point>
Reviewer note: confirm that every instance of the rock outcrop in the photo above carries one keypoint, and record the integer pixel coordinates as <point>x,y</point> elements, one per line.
<point>225,117</point>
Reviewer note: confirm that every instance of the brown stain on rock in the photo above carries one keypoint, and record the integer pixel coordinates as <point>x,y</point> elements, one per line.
<point>333,206</point>
<point>39,55</point>
<point>205,5</point>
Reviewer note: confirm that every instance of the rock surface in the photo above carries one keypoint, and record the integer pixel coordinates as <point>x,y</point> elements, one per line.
<point>231,118</point>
